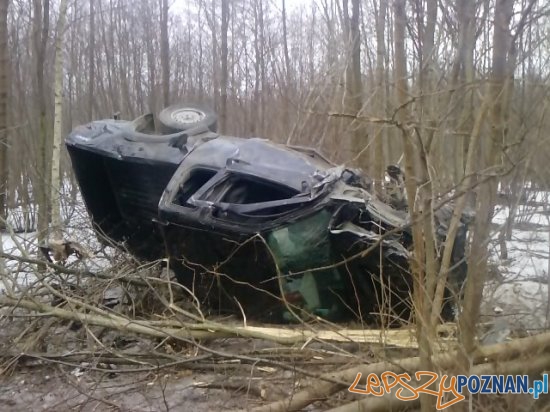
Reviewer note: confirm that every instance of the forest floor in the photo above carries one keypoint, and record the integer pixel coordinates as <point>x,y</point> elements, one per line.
<point>98,369</point>
<point>90,368</point>
<point>47,386</point>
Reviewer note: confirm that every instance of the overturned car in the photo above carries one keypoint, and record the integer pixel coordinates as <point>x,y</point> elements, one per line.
<point>248,224</point>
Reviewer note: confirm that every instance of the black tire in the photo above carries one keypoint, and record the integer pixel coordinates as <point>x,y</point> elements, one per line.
<point>181,117</point>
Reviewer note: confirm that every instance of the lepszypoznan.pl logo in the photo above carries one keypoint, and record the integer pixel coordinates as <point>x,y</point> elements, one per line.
<point>448,390</point>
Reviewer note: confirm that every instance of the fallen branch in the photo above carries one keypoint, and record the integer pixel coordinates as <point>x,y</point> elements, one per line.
<point>93,361</point>
<point>112,321</point>
<point>245,387</point>
<point>188,333</point>
<point>207,330</point>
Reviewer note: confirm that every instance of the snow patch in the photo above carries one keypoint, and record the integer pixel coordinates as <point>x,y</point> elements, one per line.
<point>524,304</point>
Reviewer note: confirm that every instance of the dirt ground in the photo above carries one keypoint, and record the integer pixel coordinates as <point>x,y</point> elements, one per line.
<point>76,376</point>
<point>78,379</point>
<point>58,389</point>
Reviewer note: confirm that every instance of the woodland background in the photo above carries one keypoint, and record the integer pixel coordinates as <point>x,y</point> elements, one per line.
<point>456,92</point>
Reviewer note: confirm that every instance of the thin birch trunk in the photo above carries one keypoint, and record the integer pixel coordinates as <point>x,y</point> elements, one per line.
<point>58,123</point>
<point>4,90</point>
<point>42,172</point>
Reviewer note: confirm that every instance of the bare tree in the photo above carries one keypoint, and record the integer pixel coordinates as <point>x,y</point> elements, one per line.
<point>91,62</point>
<point>462,77</point>
<point>487,190</point>
<point>381,136</point>
<point>58,123</point>
<point>423,258</point>
<point>42,172</point>
<point>353,71</point>
<point>224,73</point>
<point>4,91</point>
<point>165,52</point>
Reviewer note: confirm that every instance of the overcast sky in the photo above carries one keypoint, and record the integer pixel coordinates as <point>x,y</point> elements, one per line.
<point>178,5</point>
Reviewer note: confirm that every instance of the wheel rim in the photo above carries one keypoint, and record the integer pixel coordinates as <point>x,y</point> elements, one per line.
<point>187,116</point>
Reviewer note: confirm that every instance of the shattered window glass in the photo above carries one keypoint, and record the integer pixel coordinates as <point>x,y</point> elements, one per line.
<point>242,190</point>
<point>237,196</point>
<point>197,178</point>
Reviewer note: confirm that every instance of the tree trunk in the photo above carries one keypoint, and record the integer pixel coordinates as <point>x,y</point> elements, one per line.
<point>463,75</point>
<point>224,74</point>
<point>423,258</point>
<point>287,78</point>
<point>4,92</point>
<point>151,65</point>
<point>354,86</point>
<point>259,69</point>
<point>486,193</point>
<point>427,82</point>
<point>58,123</point>
<point>381,134</point>
<point>91,63</point>
<point>165,53</point>
<point>42,172</point>
<point>215,65</point>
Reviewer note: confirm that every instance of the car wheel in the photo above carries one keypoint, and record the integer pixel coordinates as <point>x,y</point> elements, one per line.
<point>181,117</point>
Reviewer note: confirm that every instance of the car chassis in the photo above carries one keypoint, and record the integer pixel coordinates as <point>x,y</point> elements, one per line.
<point>278,232</point>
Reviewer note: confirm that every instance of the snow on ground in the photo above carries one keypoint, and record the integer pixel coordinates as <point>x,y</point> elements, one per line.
<point>527,254</point>
<point>523,304</point>
<point>520,291</point>
<point>13,244</point>
<point>77,227</point>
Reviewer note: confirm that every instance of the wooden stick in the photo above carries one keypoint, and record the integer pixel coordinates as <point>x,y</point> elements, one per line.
<point>207,330</point>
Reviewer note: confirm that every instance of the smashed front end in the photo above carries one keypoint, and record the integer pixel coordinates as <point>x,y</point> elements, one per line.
<point>287,238</point>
